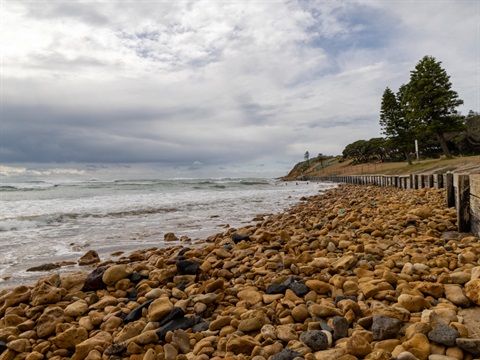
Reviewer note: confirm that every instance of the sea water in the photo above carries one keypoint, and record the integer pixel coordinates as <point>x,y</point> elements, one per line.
<point>60,220</point>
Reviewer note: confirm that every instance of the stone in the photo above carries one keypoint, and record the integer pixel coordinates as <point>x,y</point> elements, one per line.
<point>368,289</point>
<point>215,285</point>
<point>286,354</point>
<point>300,313</point>
<point>471,346</point>
<point>299,288</point>
<point>159,308</point>
<point>170,351</point>
<point>454,293</point>
<point>44,267</point>
<point>406,355</point>
<point>250,296</point>
<point>94,280</point>
<point>45,294</point>
<point>331,354</point>
<point>345,262</point>
<point>358,345</point>
<point>384,327</point>
<point>316,340</point>
<point>422,212</point>
<point>472,291</point>
<point>187,267</point>
<point>136,313</point>
<point>101,341</point>
<point>286,333</point>
<point>181,338</point>
<point>419,346</point>
<point>320,287</point>
<point>418,328</point>
<point>276,289</point>
<point>70,337</point>
<point>444,334</point>
<point>78,308</point>
<point>324,311</point>
<point>116,273</point>
<point>11,298</point>
<point>252,324</point>
<point>340,327</point>
<point>170,236</point>
<point>413,303</point>
<point>434,289</point>
<point>89,258</point>
<point>47,322</point>
<point>241,344</point>
<point>441,357</point>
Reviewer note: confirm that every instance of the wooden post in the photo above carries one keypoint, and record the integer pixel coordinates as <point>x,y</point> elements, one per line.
<point>462,195</point>
<point>475,204</point>
<point>450,190</point>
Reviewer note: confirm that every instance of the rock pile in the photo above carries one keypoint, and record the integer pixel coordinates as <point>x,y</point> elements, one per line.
<point>355,273</point>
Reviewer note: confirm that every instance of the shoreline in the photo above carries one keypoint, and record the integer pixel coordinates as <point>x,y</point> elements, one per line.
<point>353,271</point>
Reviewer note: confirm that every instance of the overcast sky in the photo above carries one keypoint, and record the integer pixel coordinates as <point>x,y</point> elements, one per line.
<point>219,87</point>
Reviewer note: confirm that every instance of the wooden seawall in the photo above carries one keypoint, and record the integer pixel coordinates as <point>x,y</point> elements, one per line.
<point>463,191</point>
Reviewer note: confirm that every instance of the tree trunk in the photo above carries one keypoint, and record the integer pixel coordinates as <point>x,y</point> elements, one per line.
<point>408,156</point>
<point>443,144</point>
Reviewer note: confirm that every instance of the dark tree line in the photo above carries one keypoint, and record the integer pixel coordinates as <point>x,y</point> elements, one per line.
<point>423,110</point>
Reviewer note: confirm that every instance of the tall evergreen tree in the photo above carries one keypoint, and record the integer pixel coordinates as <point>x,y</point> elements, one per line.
<point>396,126</point>
<point>431,101</point>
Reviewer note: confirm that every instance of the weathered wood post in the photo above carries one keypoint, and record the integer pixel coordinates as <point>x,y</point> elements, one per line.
<point>462,199</point>
<point>450,190</point>
<point>475,204</point>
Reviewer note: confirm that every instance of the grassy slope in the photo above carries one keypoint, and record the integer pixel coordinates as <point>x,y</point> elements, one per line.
<point>470,164</point>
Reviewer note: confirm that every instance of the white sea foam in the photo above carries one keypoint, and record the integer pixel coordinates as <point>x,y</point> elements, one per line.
<point>61,220</point>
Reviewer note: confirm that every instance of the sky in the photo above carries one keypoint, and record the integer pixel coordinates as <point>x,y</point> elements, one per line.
<point>213,88</point>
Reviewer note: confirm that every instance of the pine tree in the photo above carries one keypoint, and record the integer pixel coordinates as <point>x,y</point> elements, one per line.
<point>431,101</point>
<point>396,126</point>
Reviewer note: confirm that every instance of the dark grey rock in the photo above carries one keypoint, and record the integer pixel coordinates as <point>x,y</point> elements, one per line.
<point>176,324</point>
<point>276,289</point>
<point>201,326</point>
<point>299,288</point>
<point>187,267</point>
<point>365,322</point>
<point>238,237</point>
<point>286,354</point>
<point>3,346</point>
<point>315,339</point>
<point>44,267</point>
<point>94,280</point>
<point>340,327</point>
<point>137,277</point>
<point>385,327</point>
<point>444,334</point>
<point>471,346</point>
<point>136,313</point>
<point>176,313</point>
<point>182,252</point>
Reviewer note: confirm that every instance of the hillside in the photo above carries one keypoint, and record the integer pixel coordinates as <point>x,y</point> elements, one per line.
<point>335,166</point>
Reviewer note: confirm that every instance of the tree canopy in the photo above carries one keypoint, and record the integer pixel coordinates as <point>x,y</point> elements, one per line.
<point>424,109</point>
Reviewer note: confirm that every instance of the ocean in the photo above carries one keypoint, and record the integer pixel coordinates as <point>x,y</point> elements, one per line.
<point>48,221</point>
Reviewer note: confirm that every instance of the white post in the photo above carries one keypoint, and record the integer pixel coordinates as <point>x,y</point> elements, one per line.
<point>416,148</point>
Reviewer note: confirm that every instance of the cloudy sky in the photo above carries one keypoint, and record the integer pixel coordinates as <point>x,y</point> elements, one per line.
<point>214,87</point>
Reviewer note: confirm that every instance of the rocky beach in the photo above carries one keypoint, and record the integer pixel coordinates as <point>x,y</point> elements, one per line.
<point>358,272</point>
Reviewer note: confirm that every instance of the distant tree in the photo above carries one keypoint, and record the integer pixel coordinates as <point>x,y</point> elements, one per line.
<point>306,156</point>
<point>396,126</point>
<point>321,158</point>
<point>431,102</point>
<point>356,151</point>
